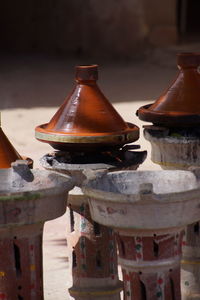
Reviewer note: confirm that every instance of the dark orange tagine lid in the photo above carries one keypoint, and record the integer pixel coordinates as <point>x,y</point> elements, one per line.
<point>179,106</point>
<point>86,119</point>
<point>8,154</point>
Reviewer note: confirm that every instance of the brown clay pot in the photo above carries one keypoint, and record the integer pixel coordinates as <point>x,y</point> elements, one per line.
<point>179,106</point>
<point>86,119</point>
<point>8,154</point>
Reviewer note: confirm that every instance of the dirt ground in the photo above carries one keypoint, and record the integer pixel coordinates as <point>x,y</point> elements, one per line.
<point>31,90</point>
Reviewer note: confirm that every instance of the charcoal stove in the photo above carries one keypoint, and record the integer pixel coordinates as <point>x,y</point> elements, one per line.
<point>92,246</point>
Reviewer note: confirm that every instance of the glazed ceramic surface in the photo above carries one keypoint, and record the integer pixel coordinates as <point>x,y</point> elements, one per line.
<point>179,106</point>
<point>8,154</point>
<point>86,118</point>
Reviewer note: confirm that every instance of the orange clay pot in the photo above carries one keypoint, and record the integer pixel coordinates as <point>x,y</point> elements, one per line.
<point>179,106</point>
<point>86,120</point>
<point>8,154</point>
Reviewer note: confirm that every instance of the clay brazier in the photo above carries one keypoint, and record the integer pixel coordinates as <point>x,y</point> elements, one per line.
<point>149,211</point>
<point>86,120</point>
<point>91,246</point>
<point>28,198</point>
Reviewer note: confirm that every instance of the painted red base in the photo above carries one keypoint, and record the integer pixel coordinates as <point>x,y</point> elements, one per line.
<point>151,266</point>
<point>21,263</point>
<point>94,257</point>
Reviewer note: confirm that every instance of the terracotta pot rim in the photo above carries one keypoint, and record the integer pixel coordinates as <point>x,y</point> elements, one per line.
<point>168,118</point>
<point>130,128</point>
<point>128,135</point>
<point>188,60</point>
<point>87,66</point>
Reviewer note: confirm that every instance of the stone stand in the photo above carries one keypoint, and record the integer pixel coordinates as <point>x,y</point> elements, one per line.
<point>179,152</point>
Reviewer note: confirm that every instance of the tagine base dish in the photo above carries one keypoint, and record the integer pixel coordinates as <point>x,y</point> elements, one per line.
<point>168,119</point>
<point>88,142</point>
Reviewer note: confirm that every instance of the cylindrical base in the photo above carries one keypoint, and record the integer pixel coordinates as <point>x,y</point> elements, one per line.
<point>150,266</point>
<point>21,262</point>
<point>93,255</point>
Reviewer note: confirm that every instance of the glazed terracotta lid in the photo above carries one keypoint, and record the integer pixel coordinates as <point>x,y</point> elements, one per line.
<point>8,154</point>
<point>86,119</point>
<point>179,106</point>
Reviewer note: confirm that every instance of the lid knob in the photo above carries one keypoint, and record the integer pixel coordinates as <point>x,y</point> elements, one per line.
<point>188,60</point>
<point>87,73</point>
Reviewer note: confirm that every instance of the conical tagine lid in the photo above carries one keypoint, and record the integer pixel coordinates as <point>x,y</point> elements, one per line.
<point>8,154</point>
<point>86,119</point>
<point>179,106</point>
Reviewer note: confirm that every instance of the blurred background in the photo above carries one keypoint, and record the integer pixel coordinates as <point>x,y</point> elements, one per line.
<point>131,40</point>
<point>107,28</point>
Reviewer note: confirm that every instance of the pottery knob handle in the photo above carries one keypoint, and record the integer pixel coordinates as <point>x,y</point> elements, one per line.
<point>188,60</point>
<point>87,73</point>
